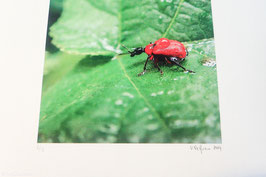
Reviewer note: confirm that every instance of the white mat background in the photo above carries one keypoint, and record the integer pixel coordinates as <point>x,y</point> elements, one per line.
<point>240,35</point>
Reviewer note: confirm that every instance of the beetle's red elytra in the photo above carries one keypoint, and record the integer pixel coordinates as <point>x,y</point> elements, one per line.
<point>170,51</point>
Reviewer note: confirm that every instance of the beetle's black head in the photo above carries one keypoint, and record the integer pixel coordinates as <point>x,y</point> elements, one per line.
<point>136,51</point>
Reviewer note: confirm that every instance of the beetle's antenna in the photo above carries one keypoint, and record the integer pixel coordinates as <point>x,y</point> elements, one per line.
<point>126,48</point>
<point>123,54</point>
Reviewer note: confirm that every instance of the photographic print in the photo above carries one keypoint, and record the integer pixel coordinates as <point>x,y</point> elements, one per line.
<point>124,71</point>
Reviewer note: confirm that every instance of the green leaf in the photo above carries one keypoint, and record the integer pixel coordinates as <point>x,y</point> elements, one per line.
<point>99,27</point>
<point>105,101</point>
<point>56,66</point>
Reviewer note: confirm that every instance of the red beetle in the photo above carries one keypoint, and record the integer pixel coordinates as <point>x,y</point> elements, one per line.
<point>170,51</point>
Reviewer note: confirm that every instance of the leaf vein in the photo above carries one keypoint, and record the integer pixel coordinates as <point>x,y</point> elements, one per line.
<point>144,98</point>
<point>173,19</point>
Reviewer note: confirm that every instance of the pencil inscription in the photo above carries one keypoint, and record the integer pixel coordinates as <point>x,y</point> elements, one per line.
<point>205,148</point>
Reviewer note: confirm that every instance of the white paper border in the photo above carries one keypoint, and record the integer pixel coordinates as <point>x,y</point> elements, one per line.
<point>241,59</point>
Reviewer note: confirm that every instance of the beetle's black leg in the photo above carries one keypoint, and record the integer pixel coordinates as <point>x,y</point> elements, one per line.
<point>157,66</point>
<point>176,61</point>
<point>183,68</point>
<point>144,70</point>
<point>167,61</point>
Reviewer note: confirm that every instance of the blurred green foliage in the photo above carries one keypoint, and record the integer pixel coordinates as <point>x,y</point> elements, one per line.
<point>55,11</point>
<point>91,94</point>
<point>99,27</point>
